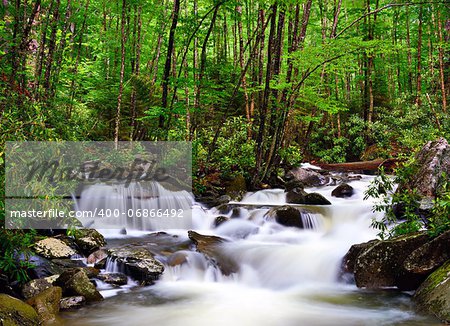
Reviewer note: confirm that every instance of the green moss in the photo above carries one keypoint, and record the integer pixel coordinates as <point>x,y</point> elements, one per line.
<point>15,312</point>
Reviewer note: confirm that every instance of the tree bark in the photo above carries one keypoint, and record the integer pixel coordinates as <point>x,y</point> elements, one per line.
<point>122,71</point>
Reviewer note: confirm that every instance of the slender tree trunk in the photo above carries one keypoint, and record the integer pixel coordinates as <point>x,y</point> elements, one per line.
<point>419,59</point>
<point>51,49</point>
<point>441,65</point>
<point>136,71</point>
<point>122,72</point>
<point>409,54</point>
<point>244,78</point>
<point>167,66</point>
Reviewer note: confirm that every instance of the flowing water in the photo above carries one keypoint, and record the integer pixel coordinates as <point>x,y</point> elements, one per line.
<point>286,276</point>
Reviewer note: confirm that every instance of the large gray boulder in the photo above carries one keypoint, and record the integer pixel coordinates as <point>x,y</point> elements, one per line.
<point>432,162</point>
<point>381,265</point>
<point>308,177</point>
<point>433,296</point>
<point>89,240</point>
<point>137,262</point>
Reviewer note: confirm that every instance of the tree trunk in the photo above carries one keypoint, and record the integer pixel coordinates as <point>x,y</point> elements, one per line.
<point>122,71</point>
<point>441,65</point>
<point>419,59</point>
<point>167,66</point>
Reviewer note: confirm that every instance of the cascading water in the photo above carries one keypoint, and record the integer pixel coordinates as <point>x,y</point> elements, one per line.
<point>285,276</point>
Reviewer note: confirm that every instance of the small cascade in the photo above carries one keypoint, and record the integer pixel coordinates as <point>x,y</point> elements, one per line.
<point>311,221</point>
<point>112,266</point>
<point>138,206</point>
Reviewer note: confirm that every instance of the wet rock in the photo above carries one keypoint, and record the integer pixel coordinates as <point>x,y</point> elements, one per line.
<point>349,260</point>
<point>96,256</point>
<point>34,287</point>
<point>293,184</point>
<point>381,265</point>
<point>69,263</point>
<point>343,191</point>
<point>14,312</point>
<point>113,278</point>
<point>316,199</point>
<point>296,196</point>
<point>220,220</point>
<point>72,303</point>
<point>53,248</point>
<point>76,283</point>
<point>101,264</point>
<point>432,164</point>
<point>210,246</point>
<point>308,178</point>
<point>89,240</point>
<point>433,295</point>
<point>177,258</point>
<point>46,304</point>
<point>430,256</point>
<point>137,262</point>
<point>42,267</point>
<point>287,216</point>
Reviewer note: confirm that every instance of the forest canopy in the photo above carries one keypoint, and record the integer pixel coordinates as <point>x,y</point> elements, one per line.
<point>255,85</point>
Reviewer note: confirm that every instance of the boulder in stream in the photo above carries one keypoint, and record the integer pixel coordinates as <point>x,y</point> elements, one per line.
<point>34,287</point>
<point>16,312</point>
<point>433,295</point>
<point>308,177</point>
<point>75,282</point>
<point>315,198</point>
<point>343,191</point>
<point>89,240</point>
<point>69,303</point>
<point>46,304</point>
<point>430,256</point>
<point>381,264</point>
<point>113,278</point>
<point>137,262</point>
<point>210,246</point>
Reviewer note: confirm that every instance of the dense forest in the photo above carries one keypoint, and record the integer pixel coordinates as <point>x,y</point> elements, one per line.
<point>253,84</point>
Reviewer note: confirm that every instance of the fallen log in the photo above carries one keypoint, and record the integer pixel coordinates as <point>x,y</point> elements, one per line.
<point>373,165</point>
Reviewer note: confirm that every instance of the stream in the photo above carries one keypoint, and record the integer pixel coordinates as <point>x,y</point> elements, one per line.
<point>287,276</point>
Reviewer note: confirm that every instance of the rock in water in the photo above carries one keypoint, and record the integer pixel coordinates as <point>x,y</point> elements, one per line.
<point>315,198</point>
<point>210,246</point>
<point>72,302</point>
<point>296,195</point>
<point>53,248</point>
<point>89,240</point>
<point>381,265</point>
<point>46,304</point>
<point>76,283</point>
<point>96,256</point>
<point>287,216</point>
<point>432,162</point>
<point>34,287</point>
<point>137,262</point>
<point>430,256</point>
<point>433,296</point>
<point>343,191</point>
<point>308,178</point>
<point>14,312</point>
<point>113,278</point>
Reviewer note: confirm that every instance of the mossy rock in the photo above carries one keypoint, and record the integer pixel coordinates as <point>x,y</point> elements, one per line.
<point>46,304</point>
<point>433,295</point>
<point>89,240</point>
<point>236,188</point>
<point>381,265</point>
<point>14,312</point>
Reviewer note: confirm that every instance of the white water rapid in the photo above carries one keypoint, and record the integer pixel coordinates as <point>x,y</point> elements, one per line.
<point>286,276</point>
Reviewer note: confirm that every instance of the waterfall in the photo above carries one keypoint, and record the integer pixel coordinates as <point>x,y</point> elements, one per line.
<point>138,206</point>
<point>284,276</point>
